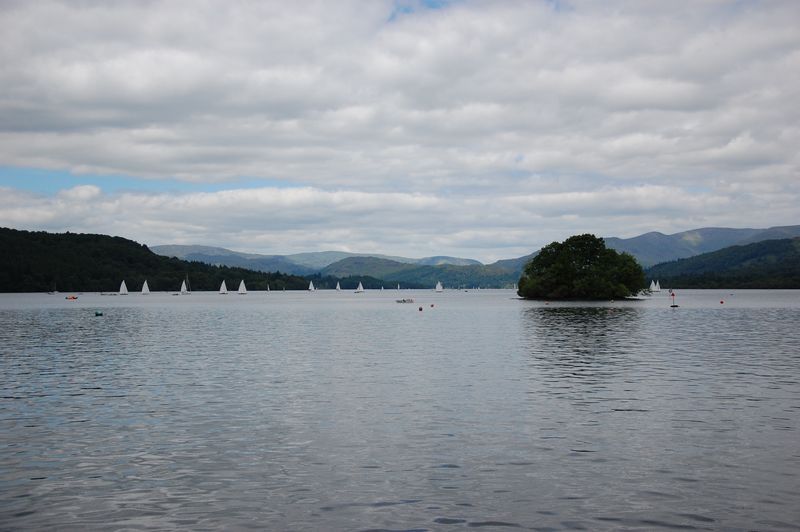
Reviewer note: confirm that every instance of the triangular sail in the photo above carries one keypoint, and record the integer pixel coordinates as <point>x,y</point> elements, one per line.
<point>145,288</point>
<point>242,288</point>
<point>311,286</point>
<point>652,286</point>
<point>439,287</point>
<point>123,290</point>
<point>338,288</point>
<point>658,286</point>
<point>398,286</point>
<point>183,288</point>
<point>223,289</point>
<point>360,288</point>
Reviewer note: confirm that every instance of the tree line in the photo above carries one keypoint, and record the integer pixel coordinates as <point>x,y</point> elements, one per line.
<point>37,261</point>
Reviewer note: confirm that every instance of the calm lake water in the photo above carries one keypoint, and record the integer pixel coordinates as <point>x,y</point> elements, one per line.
<point>338,411</point>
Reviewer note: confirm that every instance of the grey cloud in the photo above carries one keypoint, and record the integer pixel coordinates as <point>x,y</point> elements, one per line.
<point>490,100</point>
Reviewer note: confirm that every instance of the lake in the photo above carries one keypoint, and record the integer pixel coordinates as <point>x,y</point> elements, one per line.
<point>342,411</point>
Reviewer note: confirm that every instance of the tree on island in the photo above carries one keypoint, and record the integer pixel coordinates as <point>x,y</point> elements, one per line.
<point>581,268</point>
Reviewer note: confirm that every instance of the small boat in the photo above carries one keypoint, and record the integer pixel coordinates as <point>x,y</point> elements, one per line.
<point>123,290</point>
<point>267,287</point>
<point>398,286</point>
<point>184,291</point>
<point>311,286</point>
<point>223,288</point>
<point>655,286</point>
<point>360,288</point>
<point>439,287</point>
<point>71,298</point>
<point>338,288</point>
<point>145,288</point>
<point>242,289</point>
<point>405,300</point>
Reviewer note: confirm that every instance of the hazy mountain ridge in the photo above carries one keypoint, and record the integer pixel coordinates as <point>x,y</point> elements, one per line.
<point>764,264</point>
<point>654,248</point>
<point>649,249</point>
<point>297,263</point>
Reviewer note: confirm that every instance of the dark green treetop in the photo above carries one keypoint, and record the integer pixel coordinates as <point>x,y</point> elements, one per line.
<point>581,268</point>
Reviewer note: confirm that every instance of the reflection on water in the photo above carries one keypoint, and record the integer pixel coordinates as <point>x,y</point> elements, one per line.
<point>343,412</point>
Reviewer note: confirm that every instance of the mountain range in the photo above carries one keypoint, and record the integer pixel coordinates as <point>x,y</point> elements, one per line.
<point>649,249</point>
<point>764,264</point>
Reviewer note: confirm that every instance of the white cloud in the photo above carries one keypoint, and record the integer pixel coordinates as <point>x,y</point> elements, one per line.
<point>578,118</point>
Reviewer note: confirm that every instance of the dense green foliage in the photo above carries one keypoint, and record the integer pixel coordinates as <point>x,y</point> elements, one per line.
<point>580,268</point>
<point>40,262</point>
<point>766,264</point>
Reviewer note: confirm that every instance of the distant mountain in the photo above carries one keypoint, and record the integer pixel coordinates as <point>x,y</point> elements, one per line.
<point>653,248</point>
<point>649,249</point>
<point>514,265</point>
<point>40,262</point>
<point>297,263</point>
<point>451,275</point>
<point>765,264</point>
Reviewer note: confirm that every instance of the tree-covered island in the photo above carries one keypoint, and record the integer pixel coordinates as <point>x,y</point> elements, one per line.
<point>581,268</point>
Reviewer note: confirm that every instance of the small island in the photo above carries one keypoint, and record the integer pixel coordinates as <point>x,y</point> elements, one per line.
<point>581,268</point>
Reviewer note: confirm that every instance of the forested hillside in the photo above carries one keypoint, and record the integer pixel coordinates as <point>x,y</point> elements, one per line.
<point>767,264</point>
<point>40,262</point>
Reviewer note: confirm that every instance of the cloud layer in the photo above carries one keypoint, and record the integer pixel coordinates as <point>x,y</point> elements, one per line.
<point>479,128</point>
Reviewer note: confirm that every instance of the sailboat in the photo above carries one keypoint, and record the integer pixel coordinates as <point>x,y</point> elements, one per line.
<point>267,287</point>
<point>123,290</point>
<point>398,286</point>
<point>360,288</point>
<point>184,291</point>
<point>439,287</point>
<point>145,288</point>
<point>242,289</point>
<point>311,286</point>
<point>223,289</point>
<point>655,286</point>
<point>338,288</point>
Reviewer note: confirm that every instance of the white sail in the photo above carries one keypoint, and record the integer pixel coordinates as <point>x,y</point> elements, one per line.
<point>311,286</point>
<point>267,287</point>
<point>123,290</point>
<point>658,287</point>
<point>439,287</point>
<point>184,291</point>
<point>145,288</point>
<point>652,286</point>
<point>242,289</point>
<point>360,288</point>
<point>223,289</point>
<point>338,288</point>
<point>398,286</point>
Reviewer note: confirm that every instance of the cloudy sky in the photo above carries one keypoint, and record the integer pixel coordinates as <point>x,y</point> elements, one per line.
<point>467,128</point>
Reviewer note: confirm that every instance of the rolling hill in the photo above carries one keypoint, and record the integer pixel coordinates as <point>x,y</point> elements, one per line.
<point>298,263</point>
<point>654,248</point>
<point>765,264</point>
<point>40,262</point>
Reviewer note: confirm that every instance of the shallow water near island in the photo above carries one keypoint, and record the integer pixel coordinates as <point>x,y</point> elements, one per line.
<point>342,411</point>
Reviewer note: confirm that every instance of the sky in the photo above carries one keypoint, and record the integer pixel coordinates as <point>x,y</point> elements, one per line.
<point>466,128</point>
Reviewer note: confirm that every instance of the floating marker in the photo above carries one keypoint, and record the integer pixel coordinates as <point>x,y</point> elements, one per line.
<point>98,313</point>
<point>420,309</point>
